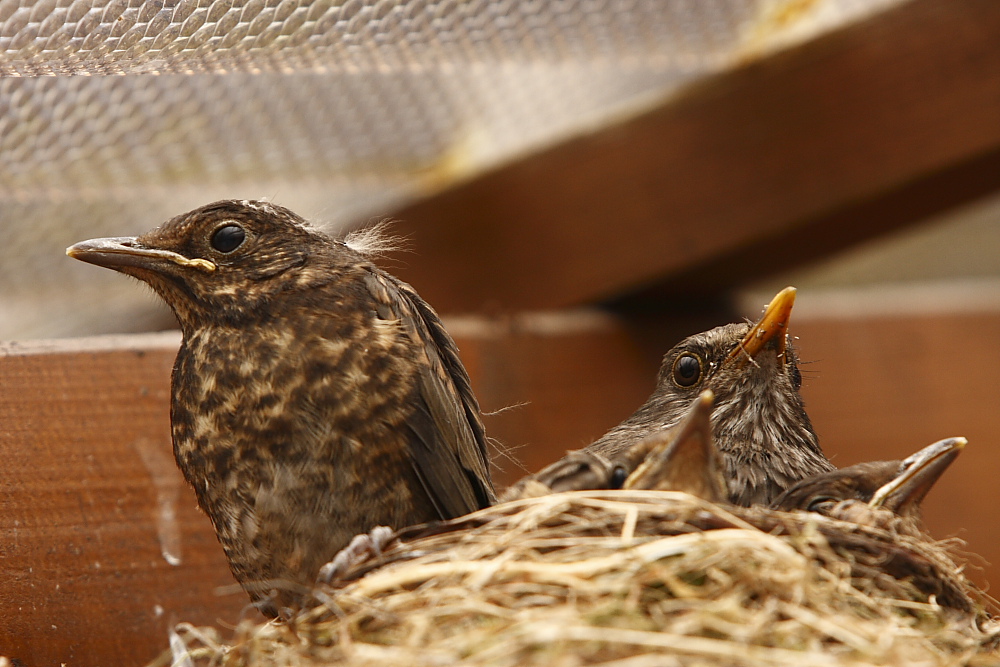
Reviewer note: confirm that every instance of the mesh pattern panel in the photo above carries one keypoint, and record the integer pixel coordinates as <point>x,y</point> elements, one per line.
<point>116,115</point>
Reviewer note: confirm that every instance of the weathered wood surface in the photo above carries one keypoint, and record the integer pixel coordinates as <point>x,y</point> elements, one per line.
<point>92,507</point>
<point>88,474</point>
<point>844,138</point>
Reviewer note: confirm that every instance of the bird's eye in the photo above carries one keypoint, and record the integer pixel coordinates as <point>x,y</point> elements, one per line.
<point>687,370</point>
<point>617,477</point>
<point>821,504</point>
<point>228,238</point>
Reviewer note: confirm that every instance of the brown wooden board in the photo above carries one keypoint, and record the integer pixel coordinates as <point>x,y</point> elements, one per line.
<point>92,506</point>
<point>791,157</point>
<point>88,469</point>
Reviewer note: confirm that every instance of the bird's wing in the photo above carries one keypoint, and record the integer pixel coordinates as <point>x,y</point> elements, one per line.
<point>448,446</point>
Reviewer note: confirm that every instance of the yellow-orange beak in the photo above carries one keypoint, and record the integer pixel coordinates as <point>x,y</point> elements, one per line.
<point>774,323</point>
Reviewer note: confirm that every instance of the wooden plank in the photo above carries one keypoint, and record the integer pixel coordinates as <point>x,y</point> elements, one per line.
<point>93,509</point>
<point>788,158</point>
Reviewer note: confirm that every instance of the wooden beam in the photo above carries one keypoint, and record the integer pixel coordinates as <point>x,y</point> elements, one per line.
<point>817,238</point>
<point>790,157</point>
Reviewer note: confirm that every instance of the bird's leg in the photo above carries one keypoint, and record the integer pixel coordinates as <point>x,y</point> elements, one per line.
<point>361,547</point>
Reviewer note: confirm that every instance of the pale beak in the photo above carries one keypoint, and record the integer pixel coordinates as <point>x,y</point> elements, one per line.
<point>919,473</point>
<point>124,251</point>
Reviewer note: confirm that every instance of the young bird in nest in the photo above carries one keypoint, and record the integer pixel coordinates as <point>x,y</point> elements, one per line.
<point>759,422</point>
<point>874,493</point>
<point>681,458</point>
<point>314,396</point>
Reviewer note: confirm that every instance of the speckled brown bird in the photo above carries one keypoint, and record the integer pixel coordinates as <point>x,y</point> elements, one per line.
<point>314,395</point>
<point>896,486</point>
<point>759,422</point>
<point>680,458</point>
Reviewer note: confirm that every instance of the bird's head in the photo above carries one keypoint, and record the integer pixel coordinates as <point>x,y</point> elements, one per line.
<point>897,486</point>
<point>225,260</point>
<point>753,372</point>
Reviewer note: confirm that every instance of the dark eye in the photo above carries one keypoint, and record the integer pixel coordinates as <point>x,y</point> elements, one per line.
<point>821,504</point>
<point>228,238</point>
<point>617,477</point>
<point>687,370</point>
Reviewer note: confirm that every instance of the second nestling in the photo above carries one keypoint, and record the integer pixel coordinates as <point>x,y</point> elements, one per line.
<point>759,421</point>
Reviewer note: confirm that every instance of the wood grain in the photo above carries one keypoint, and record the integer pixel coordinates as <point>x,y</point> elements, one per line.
<point>89,486</point>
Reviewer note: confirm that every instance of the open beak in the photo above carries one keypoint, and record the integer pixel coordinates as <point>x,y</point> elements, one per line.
<point>773,325</point>
<point>683,458</point>
<point>124,251</point>
<point>919,473</point>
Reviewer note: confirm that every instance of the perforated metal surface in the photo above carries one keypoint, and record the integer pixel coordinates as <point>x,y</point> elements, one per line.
<point>116,115</point>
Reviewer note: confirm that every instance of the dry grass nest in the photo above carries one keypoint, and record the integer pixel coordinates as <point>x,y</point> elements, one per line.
<point>630,579</point>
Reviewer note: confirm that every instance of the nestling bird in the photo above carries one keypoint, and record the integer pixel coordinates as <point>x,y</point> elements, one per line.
<point>894,486</point>
<point>886,496</point>
<point>681,458</point>
<point>759,422</point>
<point>314,395</point>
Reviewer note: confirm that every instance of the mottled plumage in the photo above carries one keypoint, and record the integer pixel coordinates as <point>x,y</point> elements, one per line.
<point>314,395</point>
<point>874,492</point>
<point>759,422</point>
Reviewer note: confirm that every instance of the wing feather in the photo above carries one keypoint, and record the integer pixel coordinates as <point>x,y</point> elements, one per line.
<point>448,441</point>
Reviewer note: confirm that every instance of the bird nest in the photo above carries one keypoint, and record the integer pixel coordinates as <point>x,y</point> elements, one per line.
<point>628,578</point>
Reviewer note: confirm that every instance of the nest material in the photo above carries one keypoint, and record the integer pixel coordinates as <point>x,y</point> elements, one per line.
<point>631,579</point>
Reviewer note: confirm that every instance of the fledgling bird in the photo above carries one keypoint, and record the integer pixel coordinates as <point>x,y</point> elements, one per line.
<point>681,458</point>
<point>314,396</point>
<point>759,422</point>
<point>864,492</point>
